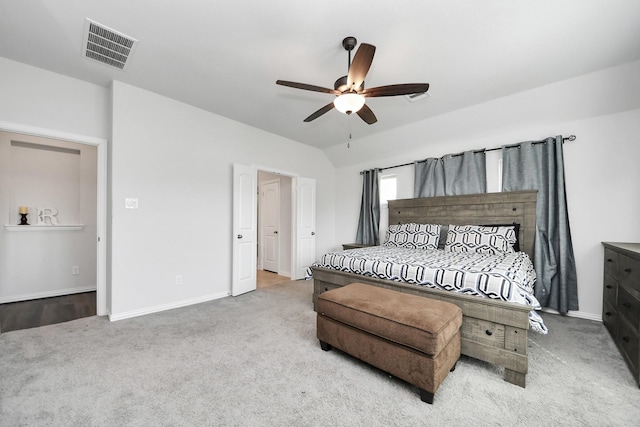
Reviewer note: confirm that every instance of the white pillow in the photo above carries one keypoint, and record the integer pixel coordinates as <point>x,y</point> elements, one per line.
<point>415,236</point>
<point>480,239</point>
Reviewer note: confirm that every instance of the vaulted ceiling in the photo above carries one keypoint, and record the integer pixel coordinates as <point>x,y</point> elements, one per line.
<point>225,56</point>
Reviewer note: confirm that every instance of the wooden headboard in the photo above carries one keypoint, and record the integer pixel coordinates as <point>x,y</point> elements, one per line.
<point>473,209</point>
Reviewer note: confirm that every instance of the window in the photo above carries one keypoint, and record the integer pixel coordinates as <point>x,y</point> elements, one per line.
<point>388,188</point>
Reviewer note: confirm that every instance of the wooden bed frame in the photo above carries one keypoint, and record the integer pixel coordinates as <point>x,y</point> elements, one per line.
<point>493,331</point>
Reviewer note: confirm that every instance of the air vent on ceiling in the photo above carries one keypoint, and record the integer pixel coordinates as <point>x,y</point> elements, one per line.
<point>417,96</point>
<point>106,45</point>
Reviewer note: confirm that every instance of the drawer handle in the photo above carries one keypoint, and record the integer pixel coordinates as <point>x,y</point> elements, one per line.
<point>609,260</point>
<point>608,286</point>
<point>625,339</point>
<point>627,270</point>
<point>626,305</point>
<point>489,332</point>
<point>608,313</point>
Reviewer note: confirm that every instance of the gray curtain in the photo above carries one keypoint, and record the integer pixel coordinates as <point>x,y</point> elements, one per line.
<point>428,178</point>
<point>451,175</point>
<point>369,222</point>
<point>540,166</point>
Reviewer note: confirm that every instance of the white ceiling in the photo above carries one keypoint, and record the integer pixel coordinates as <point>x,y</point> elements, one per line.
<point>225,56</point>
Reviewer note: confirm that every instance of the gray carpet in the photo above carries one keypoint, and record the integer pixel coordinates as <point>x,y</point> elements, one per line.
<point>254,360</point>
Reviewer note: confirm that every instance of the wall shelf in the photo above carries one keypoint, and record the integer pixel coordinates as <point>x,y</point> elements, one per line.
<point>74,227</point>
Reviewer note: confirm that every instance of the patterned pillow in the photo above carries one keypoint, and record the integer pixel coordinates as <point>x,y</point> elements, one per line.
<point>415,236</point>
<point>480,239</point>
<point>516,229</point>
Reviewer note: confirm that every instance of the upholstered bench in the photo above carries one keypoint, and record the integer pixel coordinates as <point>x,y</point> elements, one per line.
<point>413,338</point>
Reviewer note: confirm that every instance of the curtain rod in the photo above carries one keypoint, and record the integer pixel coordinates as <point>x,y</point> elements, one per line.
<point>568,138</point>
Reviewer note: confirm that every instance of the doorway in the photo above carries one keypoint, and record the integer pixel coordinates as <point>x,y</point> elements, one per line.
<point>274,229</point>
<point>98,229</point>
<point>245,226</point>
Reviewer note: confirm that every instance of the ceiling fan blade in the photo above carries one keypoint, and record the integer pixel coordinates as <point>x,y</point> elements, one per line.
<point>394,90</point>
<point>360,65</point>
<point>367,115</point>
<point>307,87</point>
<point>320,112</point>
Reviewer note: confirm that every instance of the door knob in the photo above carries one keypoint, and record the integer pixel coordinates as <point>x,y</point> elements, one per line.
<point>275,232</point>
<point>313,233</point>
<point>239,236</point>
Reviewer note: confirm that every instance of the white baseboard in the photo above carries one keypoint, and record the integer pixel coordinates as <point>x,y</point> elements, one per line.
<point>163,307</point>
<point>47,294</point>
<point>578,314</point>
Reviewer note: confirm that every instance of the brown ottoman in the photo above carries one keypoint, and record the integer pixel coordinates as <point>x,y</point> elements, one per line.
<point>413,338</point>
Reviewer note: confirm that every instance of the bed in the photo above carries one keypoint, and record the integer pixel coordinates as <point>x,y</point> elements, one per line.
<point>493,330</point>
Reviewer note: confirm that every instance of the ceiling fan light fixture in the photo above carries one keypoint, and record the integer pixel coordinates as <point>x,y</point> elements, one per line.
<point>348,103</point>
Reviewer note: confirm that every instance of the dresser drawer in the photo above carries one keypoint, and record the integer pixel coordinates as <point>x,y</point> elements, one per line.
<point>610,292</point>
<point>611,263</point>
<point>610,318</point>
<point>629,307</point>
<point>628,342</point>
<point>629,272</point>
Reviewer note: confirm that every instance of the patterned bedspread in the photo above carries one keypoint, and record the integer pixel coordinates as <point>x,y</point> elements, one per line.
<point>507,277</point>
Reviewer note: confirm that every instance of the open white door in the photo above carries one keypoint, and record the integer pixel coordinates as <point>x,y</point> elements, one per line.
<point>245,226</point>
<point>270,225</point>
<point>305,242</point>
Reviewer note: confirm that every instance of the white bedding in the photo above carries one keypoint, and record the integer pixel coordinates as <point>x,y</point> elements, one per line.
<point>506,276</point>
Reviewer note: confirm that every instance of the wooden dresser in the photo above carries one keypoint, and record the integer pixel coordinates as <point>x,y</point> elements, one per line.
<point>621,300</point>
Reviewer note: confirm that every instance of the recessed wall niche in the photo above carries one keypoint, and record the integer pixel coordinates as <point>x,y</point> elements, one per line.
<point>45,175</point>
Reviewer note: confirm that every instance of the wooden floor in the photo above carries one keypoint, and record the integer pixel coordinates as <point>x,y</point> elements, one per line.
<point>46,311</point>
<point>266,278</point>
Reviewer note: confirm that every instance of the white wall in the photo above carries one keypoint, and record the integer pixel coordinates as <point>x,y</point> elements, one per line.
<point>177,161</point>
<point>602,109</point>
<point>38,98</point>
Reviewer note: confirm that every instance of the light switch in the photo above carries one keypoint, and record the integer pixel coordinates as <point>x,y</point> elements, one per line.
<point>131,203</point>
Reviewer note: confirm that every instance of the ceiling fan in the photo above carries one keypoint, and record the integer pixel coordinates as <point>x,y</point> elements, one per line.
<point>350,91</point>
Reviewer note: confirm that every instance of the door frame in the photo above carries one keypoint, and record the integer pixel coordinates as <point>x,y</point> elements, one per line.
<point>293,176</point>
<point>102,306</point>
<point>294,197</point>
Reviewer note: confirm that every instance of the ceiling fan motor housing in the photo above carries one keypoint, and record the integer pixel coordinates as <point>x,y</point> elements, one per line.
<point>341,84</point>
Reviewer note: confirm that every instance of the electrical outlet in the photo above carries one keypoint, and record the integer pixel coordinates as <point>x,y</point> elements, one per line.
<point>178,280</point>
<point>75,270</point>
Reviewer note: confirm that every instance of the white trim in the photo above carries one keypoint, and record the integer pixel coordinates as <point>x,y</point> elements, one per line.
<point>285,274</point>
<point>101,144</point>
<point>70,227</point>
<point>269,169</point>
<point>50,133</point>
<point>577,314</point>
<point>163,307</point>
<point>47,294</point>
